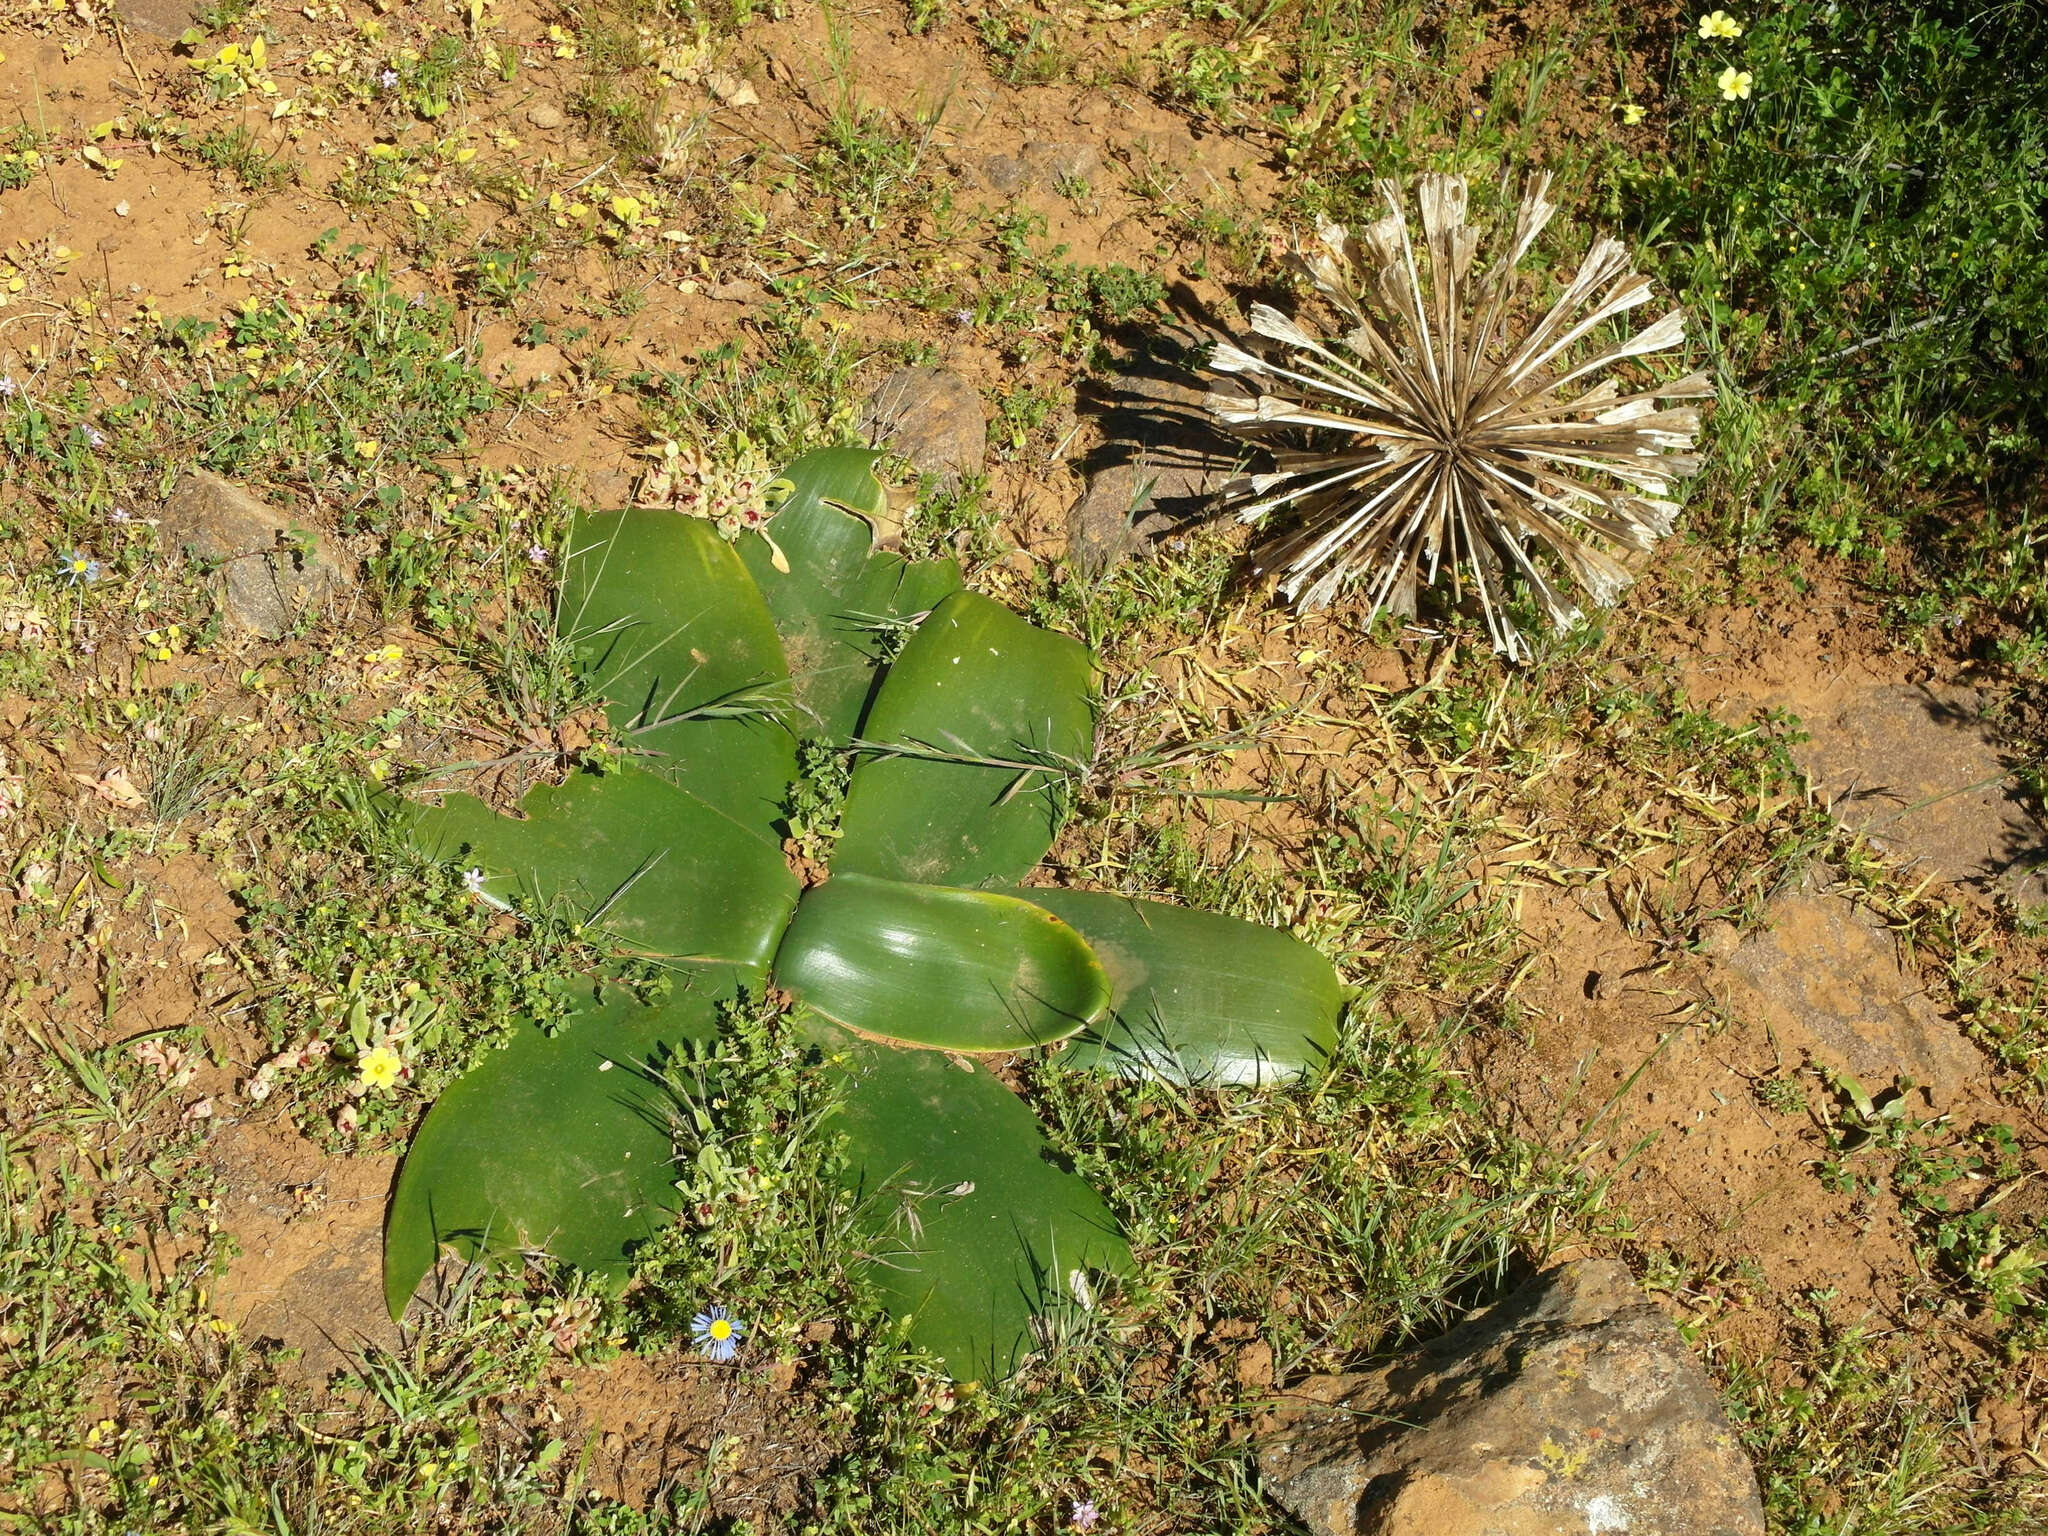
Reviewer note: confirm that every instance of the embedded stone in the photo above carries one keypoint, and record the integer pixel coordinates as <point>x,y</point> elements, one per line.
<point>1572,1407</point>
<point>268,572</point>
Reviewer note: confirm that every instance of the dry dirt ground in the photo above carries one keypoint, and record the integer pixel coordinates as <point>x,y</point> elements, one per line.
<point>1649,996</point>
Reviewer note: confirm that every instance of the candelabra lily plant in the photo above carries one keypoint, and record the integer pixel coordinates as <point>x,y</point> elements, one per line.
<point>921,955</point>
<point>1454,427</point>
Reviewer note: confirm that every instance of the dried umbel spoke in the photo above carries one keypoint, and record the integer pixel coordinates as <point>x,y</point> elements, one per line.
<point>1445,434</point>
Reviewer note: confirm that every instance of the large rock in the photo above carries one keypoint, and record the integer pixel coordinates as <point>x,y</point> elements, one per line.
<point>269,573</point>
<point>1163,462</point>
<point>161,18</point>
<point>931,417</point>
<point>1571,1408</point>
<point>1917,770</point>
<point>1824,974</point>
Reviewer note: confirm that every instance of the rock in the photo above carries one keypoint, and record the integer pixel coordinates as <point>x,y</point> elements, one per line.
<point>159,18</point>
<point>545,115</point>
<point>1041,163</point>
<point>733,90</point>
<point>267,579</point>
<point>1570,1408</point>
<point>932,418</point>
<point>1062,160</point>
<point>737,290</point>
<point>1114,519</point>
<point>1824,975</point>
<point>1918,772</point>
<point>1163,463</point>
<point>1006,174</point>
<point>518,367</point>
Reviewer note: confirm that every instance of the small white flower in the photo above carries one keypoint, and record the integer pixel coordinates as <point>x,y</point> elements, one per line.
<point>473,881</point>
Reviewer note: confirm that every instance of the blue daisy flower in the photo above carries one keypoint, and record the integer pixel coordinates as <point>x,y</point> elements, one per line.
<point>717,1333</point>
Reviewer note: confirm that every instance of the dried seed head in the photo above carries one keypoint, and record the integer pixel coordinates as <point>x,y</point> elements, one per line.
<point>1445,434</point>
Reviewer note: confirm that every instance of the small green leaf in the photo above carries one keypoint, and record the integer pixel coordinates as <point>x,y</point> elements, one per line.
<point>975,1230</point>
<point>833,594</point>
<point>977,731</point>
<point>560,1144</point>
<point>628,851</point>
<point>950,969</point>
<point>1198,997</point>
<point>673,633</point>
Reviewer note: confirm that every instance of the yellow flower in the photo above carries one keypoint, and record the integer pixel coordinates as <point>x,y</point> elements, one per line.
<point>378,1067</point>
<point>384,656</point>
<point>1720,24</point>
<point>1734,83</point>
<point>366,448</point>
<point>1631,112</point>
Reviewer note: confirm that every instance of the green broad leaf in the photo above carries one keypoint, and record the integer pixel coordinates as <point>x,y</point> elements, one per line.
<point>947,969</point>
<point>974,738</point>
<point>1198,997</point>
<point>651,864</point>
<point>554,1143</point>
<point>833,595</point>
<point>975,1230</point>
<point>672,632</point>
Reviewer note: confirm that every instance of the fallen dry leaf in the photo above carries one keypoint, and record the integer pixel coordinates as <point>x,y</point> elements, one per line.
<point>115,787</point>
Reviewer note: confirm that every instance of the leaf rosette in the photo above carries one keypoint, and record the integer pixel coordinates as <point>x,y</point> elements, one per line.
<point>920,954</point>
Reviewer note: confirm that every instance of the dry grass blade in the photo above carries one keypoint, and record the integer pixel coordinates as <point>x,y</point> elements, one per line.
<point>1448,435</point>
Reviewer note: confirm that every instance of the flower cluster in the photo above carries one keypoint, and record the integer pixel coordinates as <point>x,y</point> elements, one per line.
<point>167,1060</point>
<point>382,665</point>
<point>23,623</point>
<point>735,497</point>
<point>1733,82</point>
<point>296,1058</point>
<point>163,644</point>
